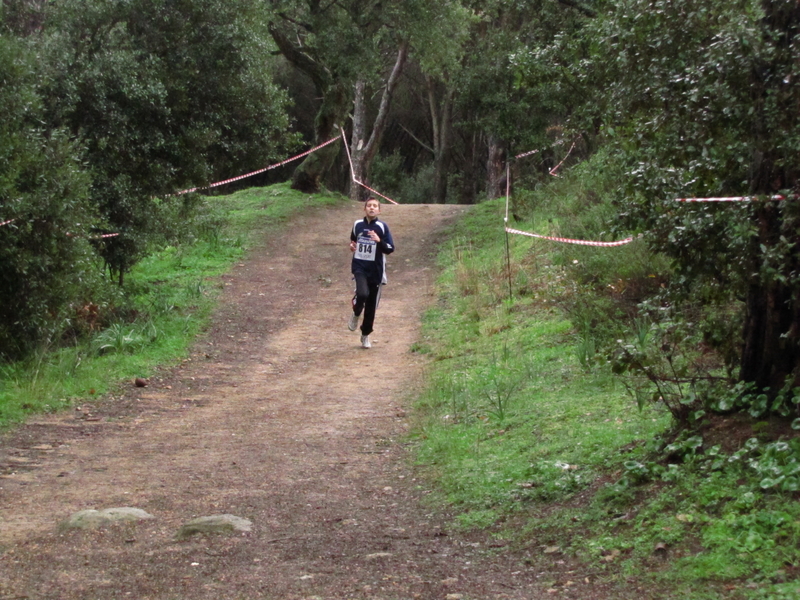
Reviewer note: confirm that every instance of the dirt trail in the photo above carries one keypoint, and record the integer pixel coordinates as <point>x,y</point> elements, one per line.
<point>278,417</point>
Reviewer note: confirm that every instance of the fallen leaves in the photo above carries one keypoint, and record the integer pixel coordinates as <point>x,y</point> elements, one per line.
<point>610,555</point>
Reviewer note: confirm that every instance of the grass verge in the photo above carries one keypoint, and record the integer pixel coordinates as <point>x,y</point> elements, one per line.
<point>166,301</point>
<point>526,432</point>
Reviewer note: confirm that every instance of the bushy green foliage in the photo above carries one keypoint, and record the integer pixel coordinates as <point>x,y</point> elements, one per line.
<point>601,288</point>
<point>46,266</point>
<point>702,101</point>
<point>512,83</point>
<point>110,108</point>
<point>417,187</point>
<point>697,100</point>
<point>164,97</point>
<point>387,173</point>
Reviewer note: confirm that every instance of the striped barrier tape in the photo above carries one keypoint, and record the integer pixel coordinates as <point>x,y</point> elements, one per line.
<point>218,183</point>
<point>96,237</point>
<point>775,198</point>
<point>558,166</point>
<point>569,240</point>
<point>365,186</point>
<point>554,169</point>
<point>524,154</point>
<point>353,173</point>
<point>265,169</point>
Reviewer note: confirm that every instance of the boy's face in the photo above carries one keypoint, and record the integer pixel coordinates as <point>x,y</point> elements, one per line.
<point>372,209</point>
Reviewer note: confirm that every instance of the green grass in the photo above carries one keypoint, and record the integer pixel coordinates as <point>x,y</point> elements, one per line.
<point>166,301</point>
<point>523,429</point>
<point>511,416</point>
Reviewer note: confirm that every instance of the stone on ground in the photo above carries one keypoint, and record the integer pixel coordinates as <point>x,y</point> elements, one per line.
<point>92,519</point>
<point>213,524</point>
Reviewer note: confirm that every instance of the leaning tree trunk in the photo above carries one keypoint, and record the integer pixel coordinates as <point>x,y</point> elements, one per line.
<point>335,103</point>
<point>364,153</point>
<point>307,177</point>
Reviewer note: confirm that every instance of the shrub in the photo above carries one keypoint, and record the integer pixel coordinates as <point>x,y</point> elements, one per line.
<point>46,261</point>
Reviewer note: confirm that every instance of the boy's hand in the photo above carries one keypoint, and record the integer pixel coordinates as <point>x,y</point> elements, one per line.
<point>352,246</point>
<point>373,236</point>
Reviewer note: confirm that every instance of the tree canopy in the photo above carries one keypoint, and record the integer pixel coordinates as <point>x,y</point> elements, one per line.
<point>109,109</point>
<point>162,97</point>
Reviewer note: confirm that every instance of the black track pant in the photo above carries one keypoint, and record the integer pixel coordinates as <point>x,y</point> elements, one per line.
<point>366,300</point>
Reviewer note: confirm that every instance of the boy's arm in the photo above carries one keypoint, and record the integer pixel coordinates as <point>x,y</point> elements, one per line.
<point>387,242</point>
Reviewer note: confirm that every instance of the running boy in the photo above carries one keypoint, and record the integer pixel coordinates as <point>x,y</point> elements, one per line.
<point>370,242</point>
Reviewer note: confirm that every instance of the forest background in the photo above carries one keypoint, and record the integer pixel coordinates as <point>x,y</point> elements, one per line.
<point>621,107</point>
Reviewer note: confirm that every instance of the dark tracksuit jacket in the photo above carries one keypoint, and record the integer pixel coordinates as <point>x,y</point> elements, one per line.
<point>369,267</point>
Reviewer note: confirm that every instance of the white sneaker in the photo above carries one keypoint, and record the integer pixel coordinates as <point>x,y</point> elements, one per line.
<point>365,342</point>
<point>353,322</point>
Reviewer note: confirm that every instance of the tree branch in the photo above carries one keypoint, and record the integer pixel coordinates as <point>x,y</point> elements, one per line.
<point>319,75</point>
<point>306,26</point>
<point>416,139</point>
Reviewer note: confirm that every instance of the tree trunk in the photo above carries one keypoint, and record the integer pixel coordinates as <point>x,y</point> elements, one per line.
<point>495,169</point>
<point>363,153</point>
<point>442,161</point>
<point>308,175</point>
<point>357,193</point>
<point>771,335</point>
<point>470,181</point>
<point>440,121</point>
<point>335,103</point>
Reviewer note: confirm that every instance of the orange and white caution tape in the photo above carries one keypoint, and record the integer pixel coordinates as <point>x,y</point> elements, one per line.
<point>353,173</point>
<point>365,186</point>
<point>265,169</point>
<point>775,198</point>
<point>558,166</point>
<point>93,237</point>
<point>571,241</point>
<point>524,154</point>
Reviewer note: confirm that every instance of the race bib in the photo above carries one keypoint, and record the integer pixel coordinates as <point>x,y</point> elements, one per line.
<point>365,248</point>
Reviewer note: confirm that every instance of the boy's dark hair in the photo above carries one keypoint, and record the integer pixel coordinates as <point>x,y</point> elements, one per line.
<point>372,198</point>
